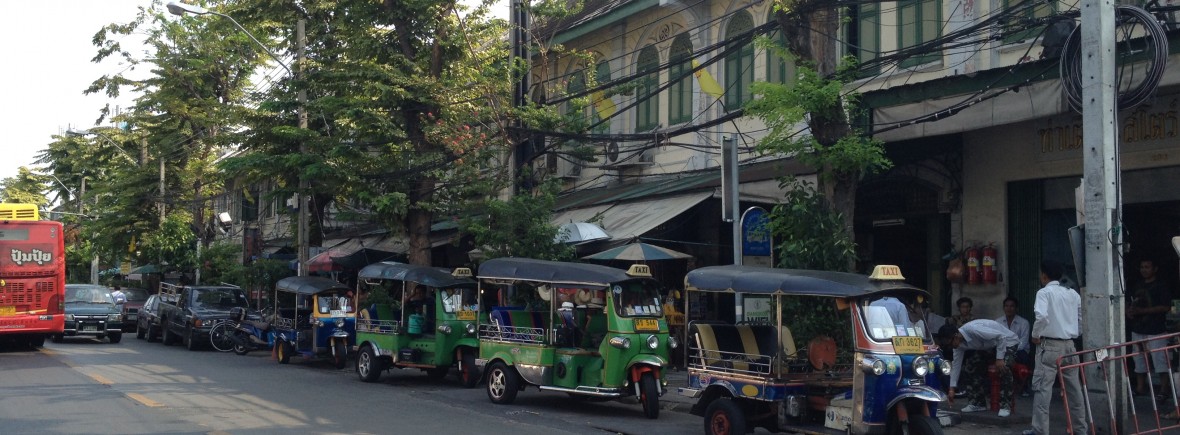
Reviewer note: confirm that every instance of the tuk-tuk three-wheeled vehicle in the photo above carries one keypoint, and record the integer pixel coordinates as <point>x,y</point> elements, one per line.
<point>748,375</point>
<point>315,317</point>
<point>583,329</point>
<point>429,323</point>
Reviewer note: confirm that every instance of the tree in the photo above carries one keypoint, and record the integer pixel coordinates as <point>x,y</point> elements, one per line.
<point>839,153</point>
<point>519,226</point>
<point>407,111</point>
<point>26,187</point>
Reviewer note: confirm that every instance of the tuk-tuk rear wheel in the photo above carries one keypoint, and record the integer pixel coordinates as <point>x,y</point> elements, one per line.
<point>724,417</point>
<point>368,365</point>
<point>468,372</point>
<point>503,383</point>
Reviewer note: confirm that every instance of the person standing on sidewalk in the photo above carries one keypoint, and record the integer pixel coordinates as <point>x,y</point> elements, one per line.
<point>1147,316</point>
<point>1058,316</point>
<point>992,344</point>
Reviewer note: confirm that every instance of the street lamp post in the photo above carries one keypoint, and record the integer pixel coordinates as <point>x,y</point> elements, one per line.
<point>178,8</point>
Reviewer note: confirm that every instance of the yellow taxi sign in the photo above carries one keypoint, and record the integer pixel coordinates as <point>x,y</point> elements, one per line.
<point>461,272</point>
<point>887,272</point>
<point>639,270</point>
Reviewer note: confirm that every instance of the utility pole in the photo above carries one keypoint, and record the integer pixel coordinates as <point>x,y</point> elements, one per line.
<point>1102,298</point>
<point>303,182</point>
<point>519,19</point>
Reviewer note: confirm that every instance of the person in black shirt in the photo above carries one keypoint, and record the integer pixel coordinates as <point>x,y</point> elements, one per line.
<point>1147,317</point>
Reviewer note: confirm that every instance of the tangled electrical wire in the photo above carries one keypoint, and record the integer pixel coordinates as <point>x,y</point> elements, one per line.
<point>1141,42</point>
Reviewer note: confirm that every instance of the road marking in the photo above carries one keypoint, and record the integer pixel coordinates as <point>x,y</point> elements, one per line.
<point>100,379</point>
<point>144,400</point>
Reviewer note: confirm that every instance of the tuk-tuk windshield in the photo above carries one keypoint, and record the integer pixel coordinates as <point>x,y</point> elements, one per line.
<point>637,298</point>
<point>891,316</point>
<point>459,299</point>
<point>335,302</point>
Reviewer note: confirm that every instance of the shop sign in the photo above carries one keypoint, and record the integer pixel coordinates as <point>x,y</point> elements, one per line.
<point>1143,126</point>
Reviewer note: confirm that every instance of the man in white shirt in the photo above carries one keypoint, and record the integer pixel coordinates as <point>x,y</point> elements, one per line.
<point>993,344</point>
<point>1058,318</point>
<point>118,295</point>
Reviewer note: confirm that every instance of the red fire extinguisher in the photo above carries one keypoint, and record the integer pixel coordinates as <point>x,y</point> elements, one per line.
<point>989,264</point>
<point>973,265</point>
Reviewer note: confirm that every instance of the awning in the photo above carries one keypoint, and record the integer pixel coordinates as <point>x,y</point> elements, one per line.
<point>626,221</point>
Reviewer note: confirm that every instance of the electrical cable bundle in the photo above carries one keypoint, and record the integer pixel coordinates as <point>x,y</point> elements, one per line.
<point>1150,47</point>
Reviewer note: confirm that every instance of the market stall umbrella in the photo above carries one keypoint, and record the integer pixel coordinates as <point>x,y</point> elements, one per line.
<point>323,262</point>
<point>638,251</point>
<point>146,269</point>
<point>579,232</point>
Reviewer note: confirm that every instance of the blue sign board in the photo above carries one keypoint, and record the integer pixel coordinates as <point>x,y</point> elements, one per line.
<point>756,232</point>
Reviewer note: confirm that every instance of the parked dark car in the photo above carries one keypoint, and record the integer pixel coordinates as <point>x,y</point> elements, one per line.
<point>130,309</point>
<point>90,311</point>
<point>147,321</point>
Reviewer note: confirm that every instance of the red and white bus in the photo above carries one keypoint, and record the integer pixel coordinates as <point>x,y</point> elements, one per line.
<point>32,275</point>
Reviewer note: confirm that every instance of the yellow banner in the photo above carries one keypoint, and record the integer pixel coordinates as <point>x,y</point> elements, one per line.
<point>708,84</point>
<point>604,106</point>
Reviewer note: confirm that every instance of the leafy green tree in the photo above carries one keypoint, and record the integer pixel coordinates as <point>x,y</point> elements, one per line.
<point>174,243</point>
<point>519,226</point>
<point>27,187</point>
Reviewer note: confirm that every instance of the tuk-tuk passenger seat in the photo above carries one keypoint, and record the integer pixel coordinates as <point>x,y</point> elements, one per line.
<point>383,317</point>
<point>735,347</point>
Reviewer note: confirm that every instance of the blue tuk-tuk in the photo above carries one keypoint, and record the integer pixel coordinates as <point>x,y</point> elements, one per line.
<point>751,374</point>
<point>315,318</point>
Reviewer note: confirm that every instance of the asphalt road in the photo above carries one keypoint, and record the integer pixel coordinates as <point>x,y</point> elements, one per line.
<point>84,386</point>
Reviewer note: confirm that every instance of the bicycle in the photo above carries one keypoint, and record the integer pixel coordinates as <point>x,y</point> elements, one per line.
<point>221,336</point>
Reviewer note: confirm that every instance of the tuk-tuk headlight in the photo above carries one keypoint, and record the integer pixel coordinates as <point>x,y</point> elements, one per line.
<point>470,328</point>
<point>945,367</point>
<point>921,366</point>
<point>673,342</point>
<point>445,329</point>
<point>340,323</point>
<point>875,366</point>
<point>653,342</point>
<point>620,342</point>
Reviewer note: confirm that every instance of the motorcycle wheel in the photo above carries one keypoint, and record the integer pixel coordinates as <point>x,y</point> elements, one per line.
<point>241,346</point>
<point>340,353</point>
<point>283,352</point>
<point>649,395</point>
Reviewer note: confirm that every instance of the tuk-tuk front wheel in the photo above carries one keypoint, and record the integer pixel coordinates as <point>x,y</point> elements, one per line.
<point>283,352</point>
<point>468,372</point>
<point>503,383</point>
<point>339,352</point>
<point>368,365</point>
<point>922,425</point>
<point>724,417</point>
<point>649,395</point>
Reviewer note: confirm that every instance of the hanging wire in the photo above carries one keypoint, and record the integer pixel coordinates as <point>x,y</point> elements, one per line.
<point>1151,47</point>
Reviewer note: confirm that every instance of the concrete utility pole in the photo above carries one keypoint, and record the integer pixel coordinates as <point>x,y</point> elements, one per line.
<point>303,182</point>
<point>1102,298</point>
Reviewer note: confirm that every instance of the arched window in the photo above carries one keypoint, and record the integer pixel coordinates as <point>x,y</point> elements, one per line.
<point>680,72</point>
<point>778,68</point>
<point>739,63</point>
<point>647,69</point>
<point>919,22</point>
<point>577,85</point>
<point>602,76</point>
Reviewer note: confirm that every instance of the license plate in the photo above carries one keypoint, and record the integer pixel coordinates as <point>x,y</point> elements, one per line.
<point>7,310</point>
<point>89,328</point>
<point>465,315</point>
<point>907,345</point>
<point>131,317</point>
<point>647,325</point>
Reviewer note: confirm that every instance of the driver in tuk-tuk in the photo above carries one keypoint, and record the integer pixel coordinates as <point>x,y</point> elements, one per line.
<point>421,302</point>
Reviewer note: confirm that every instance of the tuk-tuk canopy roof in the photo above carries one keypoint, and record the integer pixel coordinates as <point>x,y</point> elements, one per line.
<point>308,285</point>
<point>436,277</point>
<point>527,269</point>
<point>799,282</point>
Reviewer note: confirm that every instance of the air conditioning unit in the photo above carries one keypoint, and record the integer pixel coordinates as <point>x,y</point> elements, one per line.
<point>627,157</point>
<point>569,169</point>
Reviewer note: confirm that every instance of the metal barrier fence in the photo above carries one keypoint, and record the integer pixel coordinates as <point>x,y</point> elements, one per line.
<point>1154,412</point>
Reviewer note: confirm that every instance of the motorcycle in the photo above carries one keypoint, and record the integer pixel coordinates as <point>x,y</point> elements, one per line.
<point>250,334</point>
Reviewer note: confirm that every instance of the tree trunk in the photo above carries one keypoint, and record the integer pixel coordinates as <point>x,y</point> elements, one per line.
<point>418,221</point>
<point>809,31</point>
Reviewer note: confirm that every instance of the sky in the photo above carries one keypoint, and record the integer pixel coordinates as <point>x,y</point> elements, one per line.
<point>47,54</point>
<point>47,50</point>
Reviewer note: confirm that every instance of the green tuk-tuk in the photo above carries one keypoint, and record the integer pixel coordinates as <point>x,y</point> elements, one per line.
<point>583,329</point>
<point>429,322</point>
